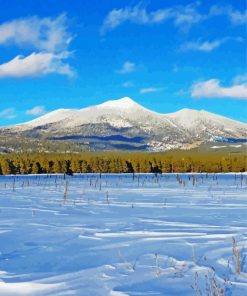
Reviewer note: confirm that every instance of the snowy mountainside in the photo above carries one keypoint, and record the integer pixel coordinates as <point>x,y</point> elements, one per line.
<point>206,125</point>
<point>113,123</point>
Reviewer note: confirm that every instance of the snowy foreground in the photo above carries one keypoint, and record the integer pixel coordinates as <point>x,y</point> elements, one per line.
<point>118,235</point>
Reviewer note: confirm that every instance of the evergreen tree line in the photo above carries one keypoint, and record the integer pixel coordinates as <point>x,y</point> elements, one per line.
<point>46,163</point>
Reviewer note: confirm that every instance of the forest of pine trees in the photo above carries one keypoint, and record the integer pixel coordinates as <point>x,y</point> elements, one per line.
<point>50,163</point>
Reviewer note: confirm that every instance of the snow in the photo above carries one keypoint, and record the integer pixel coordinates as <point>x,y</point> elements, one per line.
<point>236,146</point>
<point>218,147</point>
<point>124,103</point>
<point>118,122</point>
<point>122,235</point>
<point>196,118</point>
<point>223,146</point>
<point>76,117</point>
<point>118,113</point>
<point>52,117</point>
<point>183,129</point>
<point>30,288</point>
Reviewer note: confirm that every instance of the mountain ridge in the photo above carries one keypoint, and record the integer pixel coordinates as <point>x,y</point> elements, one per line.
<point>98,127</point>
<point>126,103</point>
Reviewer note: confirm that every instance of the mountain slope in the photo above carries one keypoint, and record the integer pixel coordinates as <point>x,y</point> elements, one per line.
<point>206,125</point>
<point>49,118</point>
<point>124,124</point>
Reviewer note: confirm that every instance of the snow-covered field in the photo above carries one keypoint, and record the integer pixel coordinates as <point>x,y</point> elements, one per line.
<point>118,235</point>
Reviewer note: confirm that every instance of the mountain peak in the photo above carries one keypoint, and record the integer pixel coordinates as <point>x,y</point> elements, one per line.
<point>116,123</point>
<point>123,103</point>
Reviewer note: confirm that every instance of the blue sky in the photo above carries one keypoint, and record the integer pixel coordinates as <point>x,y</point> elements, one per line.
<point>166,55</point>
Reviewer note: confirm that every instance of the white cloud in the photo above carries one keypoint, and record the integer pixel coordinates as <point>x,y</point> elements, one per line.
<point>212,89</point>
<point>8,113</point>
<point>44,34</point>
<point>128,84</point>
<point>242,78</point>
<point>36,64</point>
<point>127,67</point>
<point>49,36</point>
<point>185,16</point>
<point>149,90</point>
<point>181,16</point>
<point>236,17</point>
<point>208,46</point>
<point>37,110</point>
<point>205,46</point>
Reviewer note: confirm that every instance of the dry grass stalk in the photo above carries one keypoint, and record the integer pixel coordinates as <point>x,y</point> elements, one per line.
<point>237,256</point>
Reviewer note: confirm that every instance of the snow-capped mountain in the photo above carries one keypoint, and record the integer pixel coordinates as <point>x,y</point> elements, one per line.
<point>203,124</point>
<point>116,112</point>
<point>124,124</point>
